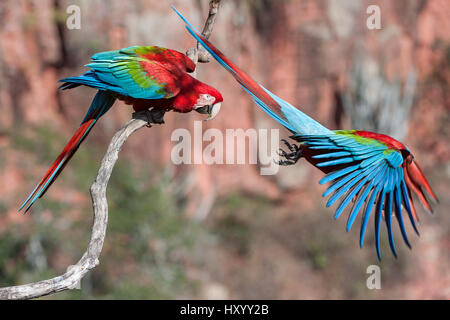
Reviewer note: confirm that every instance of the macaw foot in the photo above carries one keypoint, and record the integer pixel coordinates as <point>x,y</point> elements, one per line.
<point>292,157</point>
<point>151,116</point>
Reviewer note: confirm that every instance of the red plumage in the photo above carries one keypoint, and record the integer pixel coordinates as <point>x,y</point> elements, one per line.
<point>387,140</point>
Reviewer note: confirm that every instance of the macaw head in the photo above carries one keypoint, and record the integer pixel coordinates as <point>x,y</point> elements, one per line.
<point>209,101</point>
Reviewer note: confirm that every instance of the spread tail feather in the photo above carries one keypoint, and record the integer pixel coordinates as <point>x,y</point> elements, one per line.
<point>101,103</point>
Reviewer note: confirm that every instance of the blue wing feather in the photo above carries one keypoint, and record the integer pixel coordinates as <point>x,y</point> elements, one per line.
<point>398,213</point>
<point>370,174</point>
<point>378,174</point>
<point>341,182</point>
<point>378,215</point>
<point>367,213</point>
<point>367,173</point>
<point>337,174</point>
<point>407,206</point>
<point>388,218</point>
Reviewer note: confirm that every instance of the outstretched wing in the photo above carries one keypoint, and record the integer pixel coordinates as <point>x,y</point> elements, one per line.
<point>367,172</point>
<point>129,73</point>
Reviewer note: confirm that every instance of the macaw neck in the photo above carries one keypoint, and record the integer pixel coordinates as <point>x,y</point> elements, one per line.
<point>186,99</point>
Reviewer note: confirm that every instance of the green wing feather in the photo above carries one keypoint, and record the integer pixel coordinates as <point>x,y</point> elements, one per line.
<point>139,77</point>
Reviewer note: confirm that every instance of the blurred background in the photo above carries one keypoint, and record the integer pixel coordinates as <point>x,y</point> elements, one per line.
<point>222,231</point>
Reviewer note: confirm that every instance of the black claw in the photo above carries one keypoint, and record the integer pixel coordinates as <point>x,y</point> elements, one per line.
<point>292,157</point>
<point>282,153</point>
<point>149,117</point>
<point>291,147</point>
<point>285,162</point>
<point>152,116</point>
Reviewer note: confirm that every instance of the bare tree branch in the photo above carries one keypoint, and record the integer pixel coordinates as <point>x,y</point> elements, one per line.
<point>90,259</point>
<point>199,54</point>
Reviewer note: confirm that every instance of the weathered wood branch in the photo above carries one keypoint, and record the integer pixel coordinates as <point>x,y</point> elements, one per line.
<point>90,259</point>
<point>199,54</point>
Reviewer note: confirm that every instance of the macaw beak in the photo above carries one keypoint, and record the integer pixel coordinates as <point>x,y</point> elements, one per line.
<point>212,111</point>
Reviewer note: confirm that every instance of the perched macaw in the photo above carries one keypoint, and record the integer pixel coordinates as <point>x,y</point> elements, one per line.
<point>367,168</point>
<point>142,76</point>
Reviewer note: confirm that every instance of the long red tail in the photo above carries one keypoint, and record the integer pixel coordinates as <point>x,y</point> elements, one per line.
<point>102,102</point>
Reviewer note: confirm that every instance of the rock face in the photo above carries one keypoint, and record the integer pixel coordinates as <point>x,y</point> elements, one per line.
<point>308,52</point>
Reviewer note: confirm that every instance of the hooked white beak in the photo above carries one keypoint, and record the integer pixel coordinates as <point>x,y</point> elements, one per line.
<point>214,111</point>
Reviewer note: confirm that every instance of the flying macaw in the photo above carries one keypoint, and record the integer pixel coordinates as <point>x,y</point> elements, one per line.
<point>142,76</point>
<point>368,168</point>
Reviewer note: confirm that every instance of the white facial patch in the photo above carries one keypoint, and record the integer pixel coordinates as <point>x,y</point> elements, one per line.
<point>204,100</point>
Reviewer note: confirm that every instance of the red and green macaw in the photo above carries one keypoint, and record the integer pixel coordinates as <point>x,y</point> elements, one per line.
<point>142,76</point>
<point>365,168</point>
